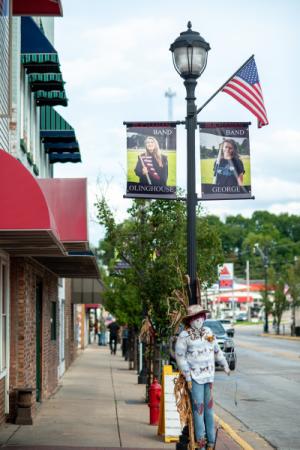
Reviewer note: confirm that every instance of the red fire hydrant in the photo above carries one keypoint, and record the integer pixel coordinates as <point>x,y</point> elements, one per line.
<point>154,401</point>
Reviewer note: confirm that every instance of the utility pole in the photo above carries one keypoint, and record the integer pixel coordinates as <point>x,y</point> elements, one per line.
<point>265,259</point>
<point>170,94</point>
<point>248,289</point>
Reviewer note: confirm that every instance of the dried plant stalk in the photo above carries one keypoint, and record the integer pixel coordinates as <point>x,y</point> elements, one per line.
<point>184,407</point>
<point>147,331</point>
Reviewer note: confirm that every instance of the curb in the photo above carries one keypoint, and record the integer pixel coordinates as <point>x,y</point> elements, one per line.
<point>233,434</point>
<point>278,336</point>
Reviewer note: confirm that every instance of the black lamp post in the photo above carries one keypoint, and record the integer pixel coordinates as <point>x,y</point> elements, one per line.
<point>189,58</point>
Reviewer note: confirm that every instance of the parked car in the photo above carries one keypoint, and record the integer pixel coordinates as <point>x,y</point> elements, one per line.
<point>241,317</point>
<point>225,342</point>
<point>228,325</point>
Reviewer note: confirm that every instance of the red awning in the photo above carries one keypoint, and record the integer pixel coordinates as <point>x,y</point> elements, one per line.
<point>45,219</point>
<point>27,225</point>
<point>236,299</point>
<point>37,8</point>
<point>67,198</point>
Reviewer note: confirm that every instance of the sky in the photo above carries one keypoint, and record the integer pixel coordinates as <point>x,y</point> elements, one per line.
<point>117,66</point>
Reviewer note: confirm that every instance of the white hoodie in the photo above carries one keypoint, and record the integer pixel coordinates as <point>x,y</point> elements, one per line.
<point>196,352</point>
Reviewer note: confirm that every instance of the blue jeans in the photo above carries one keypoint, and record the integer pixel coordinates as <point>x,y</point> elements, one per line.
<point>202,401</point>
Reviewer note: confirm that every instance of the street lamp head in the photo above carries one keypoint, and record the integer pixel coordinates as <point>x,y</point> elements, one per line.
<point>189,52</point>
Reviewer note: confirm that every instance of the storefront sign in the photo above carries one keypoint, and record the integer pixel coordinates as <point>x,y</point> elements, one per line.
<point>225,275</point>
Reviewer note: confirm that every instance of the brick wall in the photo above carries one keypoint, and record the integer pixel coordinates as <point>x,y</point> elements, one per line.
<point>25,274</point>
<point>70,345</point>
<point>2,400</point>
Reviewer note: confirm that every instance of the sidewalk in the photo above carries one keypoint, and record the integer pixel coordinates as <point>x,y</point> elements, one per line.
<point>98,405</point>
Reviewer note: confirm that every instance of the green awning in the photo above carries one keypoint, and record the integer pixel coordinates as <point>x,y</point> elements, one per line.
<point>51,120</point>
<point>58,137</point>
<point>51,98</point>
<point>37,53</point>
<point>46,82</point>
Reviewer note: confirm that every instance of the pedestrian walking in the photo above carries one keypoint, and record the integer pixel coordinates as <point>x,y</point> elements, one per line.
<point>114,328</point>
<point>125,334</point>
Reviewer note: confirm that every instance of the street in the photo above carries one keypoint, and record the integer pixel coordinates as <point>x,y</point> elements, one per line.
<point>263,392</point>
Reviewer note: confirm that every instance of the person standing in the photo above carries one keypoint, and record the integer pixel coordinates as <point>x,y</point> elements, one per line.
<point>228,168</point>
<point>196,351</point>
<point>152,165</point>
<point>102,329</point>
<point>114,328</point>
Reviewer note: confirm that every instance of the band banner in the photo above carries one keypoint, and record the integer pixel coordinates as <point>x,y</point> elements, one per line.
<point>151,159</point>
<point>225,160</point>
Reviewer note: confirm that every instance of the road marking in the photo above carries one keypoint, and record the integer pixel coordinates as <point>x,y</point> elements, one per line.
<point>286,354</point>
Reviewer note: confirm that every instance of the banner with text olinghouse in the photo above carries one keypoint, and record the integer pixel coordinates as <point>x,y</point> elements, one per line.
<point>151,159</point>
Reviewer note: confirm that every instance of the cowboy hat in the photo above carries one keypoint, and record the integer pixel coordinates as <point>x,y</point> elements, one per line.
<point>194,310</point>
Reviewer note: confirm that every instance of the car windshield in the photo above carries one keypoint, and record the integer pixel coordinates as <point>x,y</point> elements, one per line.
<point>216,327</point>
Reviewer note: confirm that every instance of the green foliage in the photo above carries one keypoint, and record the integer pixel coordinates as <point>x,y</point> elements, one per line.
<point>280,303</point>
<point>152,241</point>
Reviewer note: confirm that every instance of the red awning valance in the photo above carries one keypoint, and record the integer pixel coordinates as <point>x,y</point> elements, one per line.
<point>27,225</point>
<point>45,219</point>
<point>37,8</point>
<point>236,299</point>
<point>67,198</point>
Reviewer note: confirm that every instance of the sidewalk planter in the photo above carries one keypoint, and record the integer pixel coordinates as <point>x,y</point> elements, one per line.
<point>24,406</point>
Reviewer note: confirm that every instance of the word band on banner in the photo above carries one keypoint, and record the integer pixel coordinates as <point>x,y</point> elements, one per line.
<point>151,159</point>
<point>169,422</point>
<point>225,160</point>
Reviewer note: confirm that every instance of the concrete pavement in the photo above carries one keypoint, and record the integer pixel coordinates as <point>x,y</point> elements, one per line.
<point>98,405</point>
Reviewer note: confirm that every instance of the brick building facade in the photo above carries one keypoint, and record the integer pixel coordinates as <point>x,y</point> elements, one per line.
<point>39,228</point>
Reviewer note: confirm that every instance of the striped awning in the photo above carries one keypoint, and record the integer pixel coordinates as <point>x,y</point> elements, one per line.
<point>58,137</point>
<point>37,53</point>
<point>51,98</point>
<point>46,82</point>
<point>64,157</point>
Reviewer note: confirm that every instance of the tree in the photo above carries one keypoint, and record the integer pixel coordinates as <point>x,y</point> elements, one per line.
<point>280,303</point>
<point>293,287</point>
<point>152,241</point>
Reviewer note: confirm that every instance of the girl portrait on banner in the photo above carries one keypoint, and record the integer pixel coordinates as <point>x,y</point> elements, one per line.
<point>225,161</point>
<point>151,160</point>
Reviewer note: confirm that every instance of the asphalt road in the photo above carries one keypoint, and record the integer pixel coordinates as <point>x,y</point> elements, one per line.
<point>264,390</point>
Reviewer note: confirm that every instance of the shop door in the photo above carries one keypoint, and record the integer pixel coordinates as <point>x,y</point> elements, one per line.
<point>39,303</point>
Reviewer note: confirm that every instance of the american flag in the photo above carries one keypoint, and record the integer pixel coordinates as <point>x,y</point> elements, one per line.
<point>244,86</point>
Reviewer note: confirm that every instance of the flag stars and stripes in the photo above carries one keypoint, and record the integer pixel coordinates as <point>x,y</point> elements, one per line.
<point>244,87</point>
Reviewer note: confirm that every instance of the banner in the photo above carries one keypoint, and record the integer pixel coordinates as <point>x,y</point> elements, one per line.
<point>225,275</point>
<point>225,161</point>
<point>151,159</point>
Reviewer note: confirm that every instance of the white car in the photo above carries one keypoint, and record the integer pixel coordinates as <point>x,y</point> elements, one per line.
<point>228,325</point>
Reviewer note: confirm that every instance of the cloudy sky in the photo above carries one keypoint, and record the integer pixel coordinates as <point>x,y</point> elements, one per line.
<point>117,66</point>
